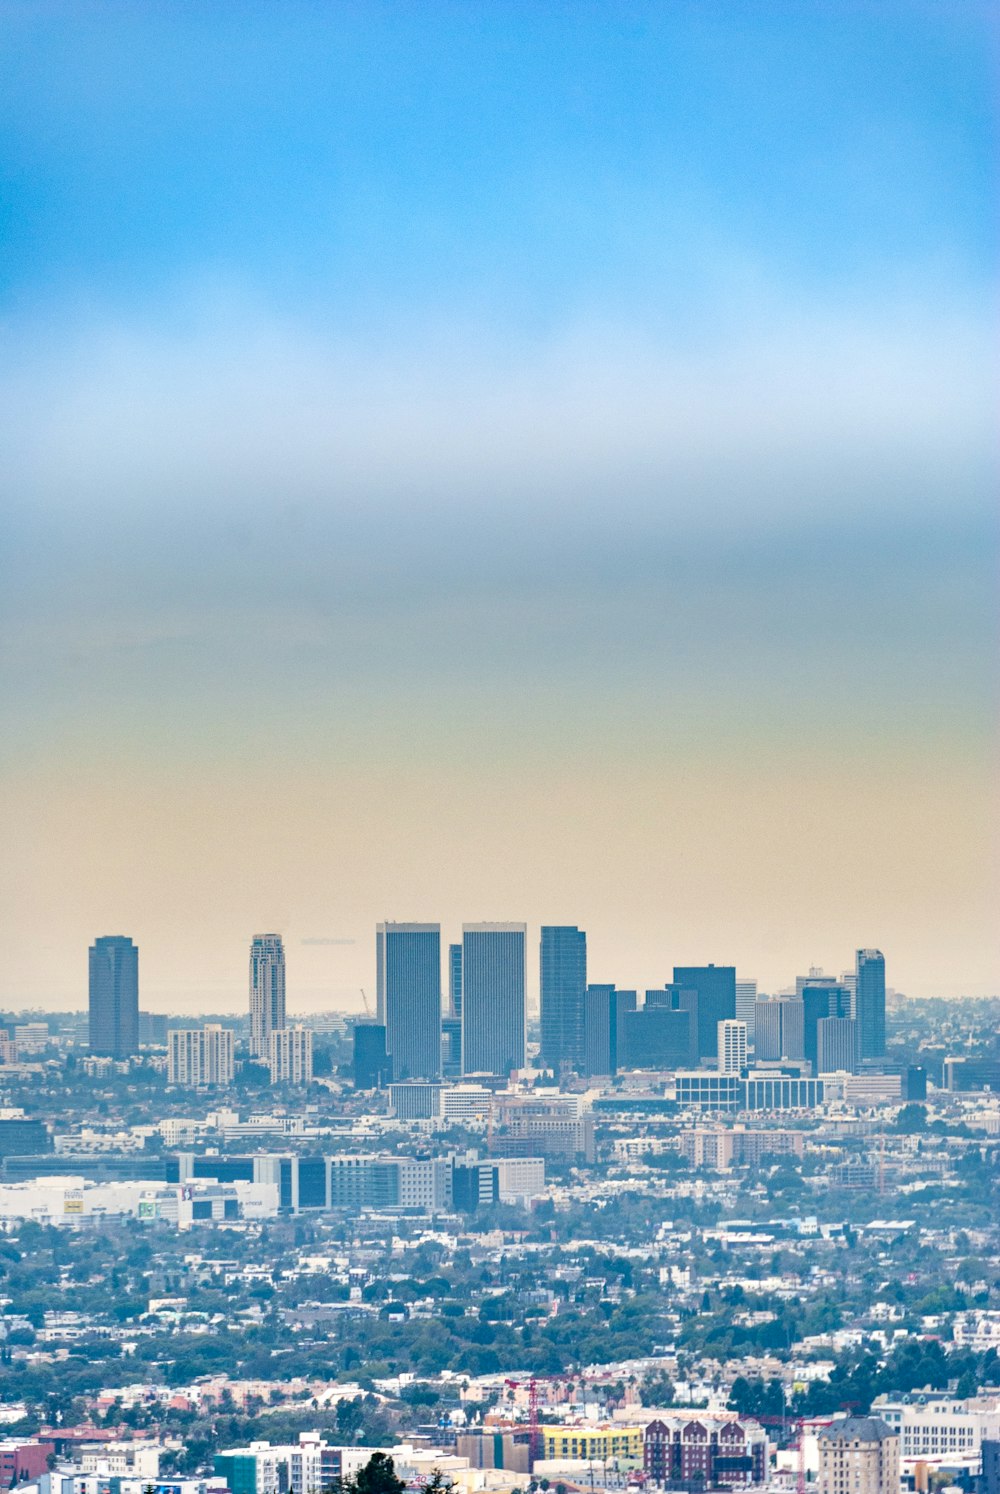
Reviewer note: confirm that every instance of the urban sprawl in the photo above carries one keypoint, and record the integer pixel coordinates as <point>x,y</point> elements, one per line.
<point>700,1237</point>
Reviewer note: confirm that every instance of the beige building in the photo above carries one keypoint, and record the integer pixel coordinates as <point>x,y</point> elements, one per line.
<point>199,1056</point>
<point>859,1455</point>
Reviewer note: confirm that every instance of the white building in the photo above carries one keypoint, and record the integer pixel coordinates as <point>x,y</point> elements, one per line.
<point>292,1056</point>
<point>466,1102</point>
<point>73,1201</point>
<point>122,1459</point>
<point>200,1056</point>
<point>977,1330</point>
<point>267,992</point>
<point>943,1427</point>
<point>732,1046</point>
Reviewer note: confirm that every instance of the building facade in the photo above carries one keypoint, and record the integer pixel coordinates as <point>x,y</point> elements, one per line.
<point>291,1056</point>
<point>114,996</point>
<point>836,1045</point>
<point>267,992</point>
<point>869,1002</point>
<point>455,979</point>
<point>732,1049</point>
<point>746,995</point>
<point>200,1056</point>
<point>779,1028</point>
<point>563,989</point>
<point>704,1451</point>
<point>605,1008</point>
<point>408,974</point>
<point>858,1455</point>
<point>716,988</point>
<point>493,987</point>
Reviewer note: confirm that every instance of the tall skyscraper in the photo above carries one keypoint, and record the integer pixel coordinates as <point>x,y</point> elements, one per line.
<point>563,988</point>
<point>408,975</point>
<point>267,992</point>
<point>821,998</point>
<point>869,1002</point>
<point>732,1048</point>
<point>455,980</point>
<point>836,1045</point>
<point>370,1061</point>
<point>493,982</point>
<point>716,987</point>
<point>114,996</point>
<point>779,1026</point>
<point>604,1028</point>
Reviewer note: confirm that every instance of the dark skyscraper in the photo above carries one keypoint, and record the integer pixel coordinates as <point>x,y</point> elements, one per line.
<point>660,1036</point>
<point>716,987</point>
<point>371,1066</point>
<point>455,979</point>
<point>821,999</point>
<point>604,1013</point>
<point>114,996</point>
<point>408,959</point>
<point>563,988</point>
<point>869,1002</point>
<point>493,1016</point>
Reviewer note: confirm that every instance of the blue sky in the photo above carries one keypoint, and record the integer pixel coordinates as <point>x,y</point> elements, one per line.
<point>494,397</point>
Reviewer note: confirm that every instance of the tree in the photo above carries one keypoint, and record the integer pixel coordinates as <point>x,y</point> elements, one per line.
<point>378,1476</point>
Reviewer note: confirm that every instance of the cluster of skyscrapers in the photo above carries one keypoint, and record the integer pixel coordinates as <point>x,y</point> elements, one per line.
<point>704,1015</point>
<point>198,1056</point>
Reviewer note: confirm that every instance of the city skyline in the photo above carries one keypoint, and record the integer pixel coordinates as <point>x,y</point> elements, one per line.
<point>413,959</point>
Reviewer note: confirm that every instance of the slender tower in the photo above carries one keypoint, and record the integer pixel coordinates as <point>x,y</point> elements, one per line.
<point>267,992</point>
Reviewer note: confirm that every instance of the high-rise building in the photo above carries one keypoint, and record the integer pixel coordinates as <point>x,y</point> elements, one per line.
<point>836,1045</point>
<point>451,1047</point>
<point>291,1056</point>
<point>746,995</point>
<point>716,987</point>
<point>408,974</point>
<point>563,988</point>
<point>779,1028</point>
<point>821,998</point>
<point>732,1047</point>
<point>604,1028</point>
<point>858,1455</point>
<point>869,1001</point>
<point>267,992</point>
<point>659,1036</point>
<point>114,996</point>
<point>371,1066</point>
<point>455,980</point>
<point>493,984</point>
<point>200,1056</point>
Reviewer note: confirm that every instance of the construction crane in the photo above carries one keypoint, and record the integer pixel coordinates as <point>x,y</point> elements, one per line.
<point>535,1448</point>
<point>364,999</point>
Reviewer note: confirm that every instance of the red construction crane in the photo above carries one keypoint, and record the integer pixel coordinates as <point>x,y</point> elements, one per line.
<point>535,1437</point>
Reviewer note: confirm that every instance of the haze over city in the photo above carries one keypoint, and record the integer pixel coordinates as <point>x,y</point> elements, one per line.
<point>498,462</point>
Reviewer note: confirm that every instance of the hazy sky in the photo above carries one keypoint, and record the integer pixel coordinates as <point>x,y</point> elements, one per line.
<point>490,460</point>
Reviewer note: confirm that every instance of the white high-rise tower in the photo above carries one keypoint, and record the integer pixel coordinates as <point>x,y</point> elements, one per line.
<point>267,992</point>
